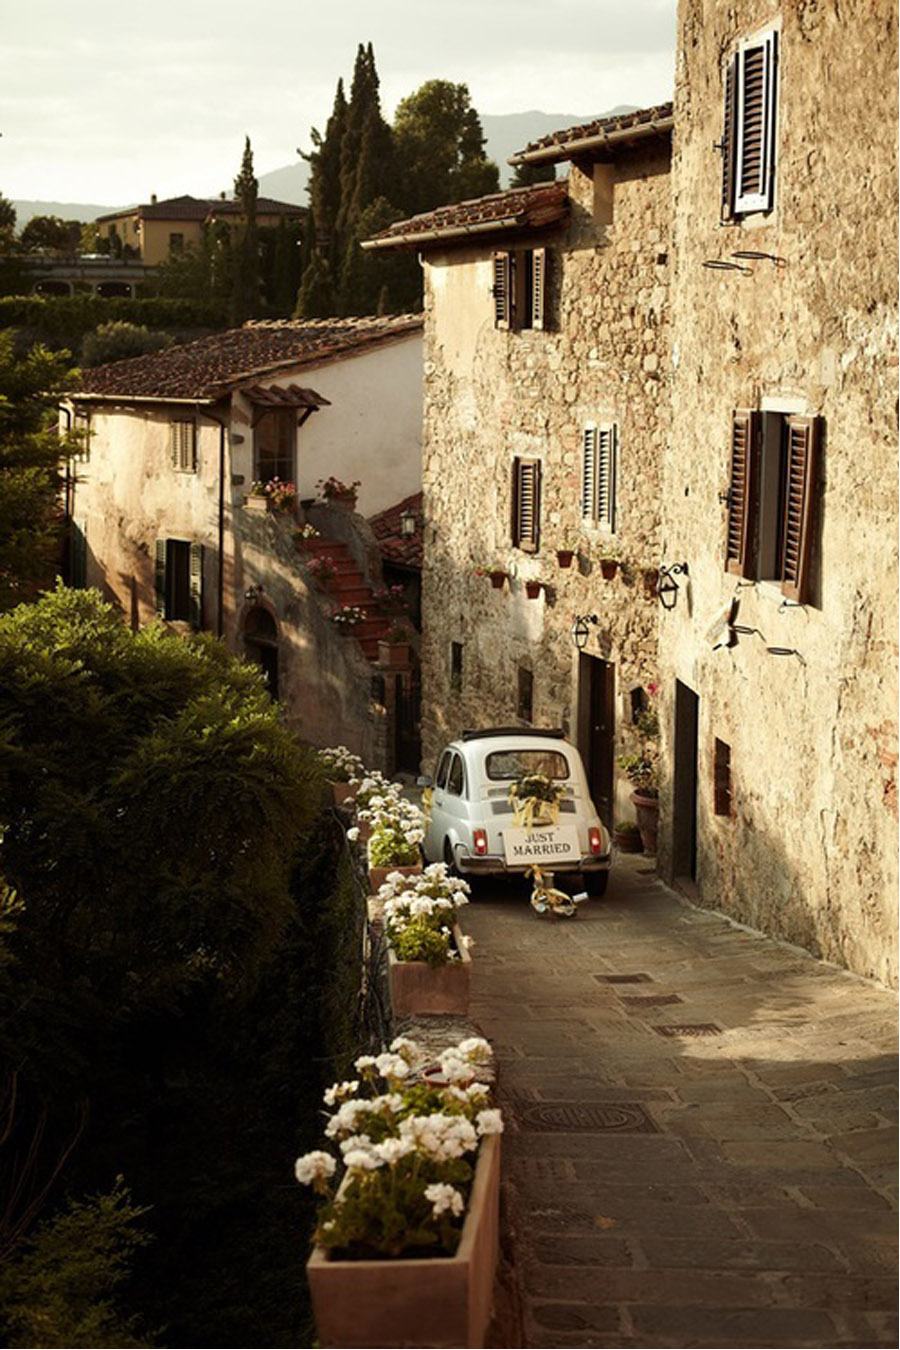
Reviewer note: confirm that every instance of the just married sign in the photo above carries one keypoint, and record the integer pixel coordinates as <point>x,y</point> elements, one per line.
<point>544,845</point>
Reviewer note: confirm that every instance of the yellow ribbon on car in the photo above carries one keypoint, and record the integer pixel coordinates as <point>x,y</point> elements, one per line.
<point>529,812</point>
<point>548,896</point>
<point>427,799</point>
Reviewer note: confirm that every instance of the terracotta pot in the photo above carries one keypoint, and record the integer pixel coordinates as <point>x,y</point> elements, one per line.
<point>497,580</point>
<point>626,842</point>
<point>565,556</point>
<point>346,500</point>
<point>647,819</point>
<point>365,832</point>
<point>533,589</point>
<point>256,502</point>
<point>608,568</point>
<point>341,792</point>
<point>416,987</point>
<point>442,1301</point>
<point>378,875</point>
<point>394,655</point>
<point>651,580</point>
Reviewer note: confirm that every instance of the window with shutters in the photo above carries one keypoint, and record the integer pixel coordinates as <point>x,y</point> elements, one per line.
<point>274,441</point>
<point>599,449</point>
<point>82,428</point>
<point>520,288</point>
<point>183,444</point>
<point>525,692</point>
<point>78,553</point>
<point>179,581</point>
<point>722,778</point>
<point>456,667</point>
<point>748,129</point>
<point>772,499</point>
<point>526,505</point>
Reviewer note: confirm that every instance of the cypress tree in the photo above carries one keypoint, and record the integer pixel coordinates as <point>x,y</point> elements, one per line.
<point>526,174</point>
<point>322,246</point>
<point>245,295</point>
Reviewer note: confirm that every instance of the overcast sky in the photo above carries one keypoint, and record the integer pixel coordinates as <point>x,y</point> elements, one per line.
<point>107,101</point>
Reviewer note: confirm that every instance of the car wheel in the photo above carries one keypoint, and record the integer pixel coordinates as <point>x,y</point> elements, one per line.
<point>595,883</point>
<point>449,859</point>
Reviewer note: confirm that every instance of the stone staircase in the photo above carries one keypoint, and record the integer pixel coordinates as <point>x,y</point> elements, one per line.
<point>349,587</point>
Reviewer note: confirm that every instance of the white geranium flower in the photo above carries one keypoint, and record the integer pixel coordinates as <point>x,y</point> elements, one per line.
<point>391,1066</point>
<point>339,1091</point>
<point>489,1122</point>
<point>391,1151</point>
<point>359,1161</point>
<point>406,1049</point>
<point>476,1050</point>
<point>353,833</point>
<point>365,1062</point>
<point>313,1167</point>
<point>444,1197</point>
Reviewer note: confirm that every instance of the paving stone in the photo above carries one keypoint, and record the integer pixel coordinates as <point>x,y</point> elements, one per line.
<point>716,1326</point>
<point>663,1253</point>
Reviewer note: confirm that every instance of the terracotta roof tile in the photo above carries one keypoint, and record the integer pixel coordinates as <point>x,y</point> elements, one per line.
<point>210,366</point>
<point>198,208</point>
<point>518,208</point>
<point>405,550</point>
<point>601,126</point>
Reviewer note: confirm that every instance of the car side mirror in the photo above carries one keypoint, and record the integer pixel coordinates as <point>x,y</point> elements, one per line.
<point>425,780</point>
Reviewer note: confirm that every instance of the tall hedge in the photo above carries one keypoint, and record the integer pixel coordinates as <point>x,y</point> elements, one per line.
<point>64,319</point>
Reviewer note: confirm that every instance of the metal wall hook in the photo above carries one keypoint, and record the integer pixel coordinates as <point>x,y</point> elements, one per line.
<point>723,265</point>
<point>787,651</point>
<point>753,255</point>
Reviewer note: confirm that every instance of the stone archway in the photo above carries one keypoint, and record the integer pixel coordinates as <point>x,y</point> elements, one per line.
<point>260,632</point>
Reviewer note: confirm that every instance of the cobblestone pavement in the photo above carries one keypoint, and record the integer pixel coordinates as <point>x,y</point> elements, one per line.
<point>700,1145</point>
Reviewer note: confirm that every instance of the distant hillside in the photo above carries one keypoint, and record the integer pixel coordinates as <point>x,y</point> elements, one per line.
<point>505,133</point>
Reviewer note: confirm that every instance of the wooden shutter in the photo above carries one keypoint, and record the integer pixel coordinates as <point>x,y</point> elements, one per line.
<point>78,554</point>
<point>526,504</point>
<point>729,140</point>
<point>606,475</point>
<point>502,290</point>
<point>722,779</point>
<point>742,494</point>
<point>183,442</point>
<point>754,166</point>
<point>538,286</point>
<point>589,473</point>
<point>160,578</point>
<point>196,600</point>
<point>801,471</point>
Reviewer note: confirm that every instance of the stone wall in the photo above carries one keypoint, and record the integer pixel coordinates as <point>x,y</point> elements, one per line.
<point>491,395</point>
<point>809,851</point>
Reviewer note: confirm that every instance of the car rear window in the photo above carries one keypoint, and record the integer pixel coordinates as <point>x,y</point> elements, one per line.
<point>505,765</point>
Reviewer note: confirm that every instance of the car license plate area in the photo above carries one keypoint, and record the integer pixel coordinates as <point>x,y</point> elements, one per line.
<point>543,846</point>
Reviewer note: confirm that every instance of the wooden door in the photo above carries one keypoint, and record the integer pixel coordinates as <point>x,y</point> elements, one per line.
<point>597,731</point>
<point>684,813</point>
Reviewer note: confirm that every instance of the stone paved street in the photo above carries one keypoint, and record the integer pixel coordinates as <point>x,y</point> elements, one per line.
<point>701,1128</point>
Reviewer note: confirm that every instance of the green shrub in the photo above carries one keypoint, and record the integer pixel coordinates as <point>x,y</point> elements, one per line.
<point>118,340</point>
<point>63,320</point>
<point>421,941</point>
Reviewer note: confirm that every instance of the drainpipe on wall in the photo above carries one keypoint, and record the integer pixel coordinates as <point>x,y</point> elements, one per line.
<point>220,580</point>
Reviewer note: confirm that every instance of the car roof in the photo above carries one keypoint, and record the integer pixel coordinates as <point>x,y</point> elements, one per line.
<point>508,738</point>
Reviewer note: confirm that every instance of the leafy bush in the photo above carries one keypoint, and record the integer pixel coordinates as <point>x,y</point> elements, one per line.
<point>118,340</point>
<point>63,320</point>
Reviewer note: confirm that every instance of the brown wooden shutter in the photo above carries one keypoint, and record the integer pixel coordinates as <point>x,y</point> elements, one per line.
<point>606,475</point>
<point>742,494</point>
<point>160,577</point>
<point>755,125</point>
<point>801,477</point>
<point>729,140</point>
<point>722,779</point>
<point>538,286</point>
<point>526,504</point>
<point>502,290</point>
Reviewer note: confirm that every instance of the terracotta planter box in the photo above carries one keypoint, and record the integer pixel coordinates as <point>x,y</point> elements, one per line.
<point>347,501</point>
<point>647,819</point>
<point>394,655</point>
<point>608,568</point>
<point>444,1302</point>
<point>256,502</point>
<point>565,556</point>
<point>417,987</point>
<point>378,875</point>
<point>341,792</point>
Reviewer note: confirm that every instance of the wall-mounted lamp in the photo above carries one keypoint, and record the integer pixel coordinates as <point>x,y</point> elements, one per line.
<point>667,587</point>
<point>581,629</point>
<point>254,592</point>
<point>409,523</point>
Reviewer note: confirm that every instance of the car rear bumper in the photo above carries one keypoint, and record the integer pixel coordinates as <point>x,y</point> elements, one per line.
<point>493,863</point>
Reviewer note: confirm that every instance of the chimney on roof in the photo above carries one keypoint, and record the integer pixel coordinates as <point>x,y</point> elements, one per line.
<point>221,196</point>
<point>152,198</point>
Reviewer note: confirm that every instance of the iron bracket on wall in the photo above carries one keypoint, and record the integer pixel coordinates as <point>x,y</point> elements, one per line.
<point>667,587</point>
<point>581,630</point>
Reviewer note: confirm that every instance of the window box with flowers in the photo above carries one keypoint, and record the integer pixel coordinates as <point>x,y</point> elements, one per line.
<point>342,769</point>
<point>347,619</point>
<point>406,1246</point>
<point>395,651</point>
<point>391,599</point>
<point>398,828</point>
<point>428,954</point>
<point>337,493</point>
<point>322,569</point>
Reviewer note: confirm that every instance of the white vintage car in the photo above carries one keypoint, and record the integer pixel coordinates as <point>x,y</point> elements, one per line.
<point>472,825</point>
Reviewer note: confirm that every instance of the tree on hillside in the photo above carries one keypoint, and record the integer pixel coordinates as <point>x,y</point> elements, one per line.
<point>527,174</point>
<point>7,224</point>
<point>50,232</point>
<point>118,340</point>
<point>245,295</point>
<point>440,146</point>
<point>30,450</point>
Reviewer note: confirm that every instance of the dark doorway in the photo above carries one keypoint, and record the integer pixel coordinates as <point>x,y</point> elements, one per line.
<point>684,819</point>
<point>597,730</point>
<point>261,643</point>
<point>407,722</point>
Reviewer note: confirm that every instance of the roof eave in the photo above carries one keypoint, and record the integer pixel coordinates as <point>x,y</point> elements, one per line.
<point>85,396</point>
<point>450,233</point>
<point>556,154</point>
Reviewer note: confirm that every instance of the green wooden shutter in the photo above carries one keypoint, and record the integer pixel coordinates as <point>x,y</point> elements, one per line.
<point>160,577</point>
<point>742,494</point>
<point>196,608</point>
<point>801,477</point>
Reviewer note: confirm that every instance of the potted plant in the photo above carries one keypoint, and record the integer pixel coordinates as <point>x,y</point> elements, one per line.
<point>641,771</point>
<point>392,599</point>
<point>627,836</point>
<point>565,554</point>
<point>371,791</point>
<point>650,578</point>
<point>281,495</point>
<point>609,566</point>
<point>338,493</point>
<point>397,832</point>
<point>305,535</point>
<point>406,1244</point>
<point>496,573</point>
<point>341,768</point>
<point>347,618</point>
<point>395,650</point>
<point>256,499</point>
<point>428,954</point>
<point>533,589</point>
<point>322,569</point>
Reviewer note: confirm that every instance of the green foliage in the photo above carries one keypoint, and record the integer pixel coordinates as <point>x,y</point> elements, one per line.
<point>440,144</point>
<point>527,174</point>
<point>386,1214</point>
<point>388,847</point>
<point>421,940</point>
<point>29,458</point>
<point>50,233</point>
<point>63,320</point>
<point>63,1285</point>
<point>118,340</point>
<point>245,295</point>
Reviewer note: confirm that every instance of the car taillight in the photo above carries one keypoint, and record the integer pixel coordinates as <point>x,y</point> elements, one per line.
<point>480,839</point>
<point>595,839</point>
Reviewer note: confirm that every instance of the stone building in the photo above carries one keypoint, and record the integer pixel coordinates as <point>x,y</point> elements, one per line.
<point>778,659</point>
<point>546,409</point>
<point>164,523</point>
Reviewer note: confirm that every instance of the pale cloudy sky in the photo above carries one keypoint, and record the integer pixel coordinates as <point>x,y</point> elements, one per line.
<point>106,101</point>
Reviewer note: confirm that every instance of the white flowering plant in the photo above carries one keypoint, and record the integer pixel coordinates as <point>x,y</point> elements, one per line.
<point>370,786</point>
<point>339,764</point>
<point>419,914</point>
<point>407,1153</point>
<point>398,828</point>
